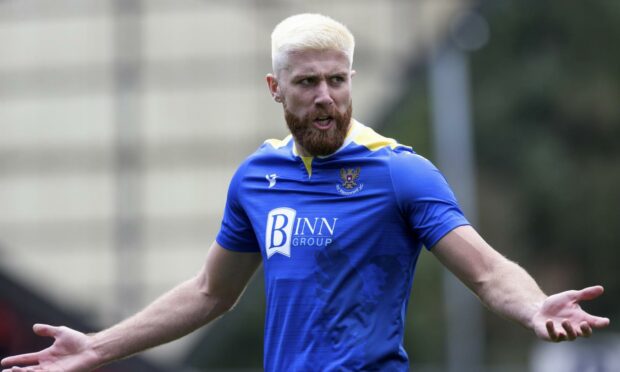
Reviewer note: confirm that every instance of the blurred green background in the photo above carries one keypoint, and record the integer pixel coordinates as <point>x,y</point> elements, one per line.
<point>546,114</point>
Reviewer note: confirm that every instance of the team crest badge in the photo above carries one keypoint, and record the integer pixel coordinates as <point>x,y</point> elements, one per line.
<point>349,184</point>
<point>348,177</point>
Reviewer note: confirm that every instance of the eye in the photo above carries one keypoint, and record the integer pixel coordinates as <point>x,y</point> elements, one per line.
<point>338,79</point>
<point>306,81</point>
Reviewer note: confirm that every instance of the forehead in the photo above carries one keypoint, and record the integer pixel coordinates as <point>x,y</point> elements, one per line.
<point>310,62</point>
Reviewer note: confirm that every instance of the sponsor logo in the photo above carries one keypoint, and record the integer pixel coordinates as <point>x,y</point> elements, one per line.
<point>272,179</point>
<point>348,181</point>
<point>286,229</point>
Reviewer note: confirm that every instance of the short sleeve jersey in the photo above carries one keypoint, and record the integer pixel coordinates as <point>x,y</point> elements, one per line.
<point>340,237</point>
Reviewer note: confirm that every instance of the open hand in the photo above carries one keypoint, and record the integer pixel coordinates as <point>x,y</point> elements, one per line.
<point>560,317</point>
<point>70,352</point>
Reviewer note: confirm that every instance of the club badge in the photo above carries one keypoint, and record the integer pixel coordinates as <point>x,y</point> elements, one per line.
<point>349,184</point>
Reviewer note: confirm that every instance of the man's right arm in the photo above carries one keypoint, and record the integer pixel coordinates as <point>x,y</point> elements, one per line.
<point>180,311</point>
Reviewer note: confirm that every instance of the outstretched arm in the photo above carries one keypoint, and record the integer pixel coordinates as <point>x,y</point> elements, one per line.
<point>180,311</point>
<point>510,291</point>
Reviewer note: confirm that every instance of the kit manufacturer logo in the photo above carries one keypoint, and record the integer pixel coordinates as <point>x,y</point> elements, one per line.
<point>272,179</point>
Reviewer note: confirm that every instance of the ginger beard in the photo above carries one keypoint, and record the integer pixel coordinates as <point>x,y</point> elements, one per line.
<point>319,142</point>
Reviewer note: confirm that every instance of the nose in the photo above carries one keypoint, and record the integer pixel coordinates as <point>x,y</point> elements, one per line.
<point>323,95</point>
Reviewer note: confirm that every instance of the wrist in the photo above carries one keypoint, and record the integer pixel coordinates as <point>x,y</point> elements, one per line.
<point>98,350</point>
<point>533,311</point>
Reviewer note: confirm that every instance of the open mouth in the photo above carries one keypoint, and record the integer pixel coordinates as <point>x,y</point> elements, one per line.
<point>323,122</point>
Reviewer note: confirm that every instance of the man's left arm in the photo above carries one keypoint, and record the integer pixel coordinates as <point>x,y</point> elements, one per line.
<point>510,291</point>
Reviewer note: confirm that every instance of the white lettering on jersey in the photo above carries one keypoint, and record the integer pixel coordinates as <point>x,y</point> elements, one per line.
<point>285,229</point>
<point>279,231</point>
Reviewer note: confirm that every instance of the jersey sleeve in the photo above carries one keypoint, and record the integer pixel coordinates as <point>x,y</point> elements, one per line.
<point>425,198</point>
<point>236,233</point>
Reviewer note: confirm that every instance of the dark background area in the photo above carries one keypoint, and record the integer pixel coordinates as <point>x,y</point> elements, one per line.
<point>546,115</point>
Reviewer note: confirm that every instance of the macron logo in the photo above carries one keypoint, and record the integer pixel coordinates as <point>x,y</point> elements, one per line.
<point>279,231</point>
<point>272,179</point>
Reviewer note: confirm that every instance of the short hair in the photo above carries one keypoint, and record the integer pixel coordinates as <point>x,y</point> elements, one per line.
<point>310,32</point>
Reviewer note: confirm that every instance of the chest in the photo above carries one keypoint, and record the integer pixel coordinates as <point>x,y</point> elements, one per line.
<point>295,214</point>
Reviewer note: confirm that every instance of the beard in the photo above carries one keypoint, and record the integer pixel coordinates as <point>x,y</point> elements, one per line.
<point>315,141</point>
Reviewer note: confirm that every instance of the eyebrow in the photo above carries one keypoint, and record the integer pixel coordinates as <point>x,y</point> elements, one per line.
<point>315,74</point>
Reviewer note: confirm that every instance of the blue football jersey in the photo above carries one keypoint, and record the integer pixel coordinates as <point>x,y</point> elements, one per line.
<point>340,236</point>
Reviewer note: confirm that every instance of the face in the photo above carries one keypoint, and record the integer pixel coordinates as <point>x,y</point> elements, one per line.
<point>314,87</point>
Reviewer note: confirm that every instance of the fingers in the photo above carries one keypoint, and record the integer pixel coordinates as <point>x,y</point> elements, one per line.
<point>23,359</point>
<point>589,293</point>
<point>553,334</point>
<point>26,369</point>
<point>30,358</point>
<point>570,332</point>
<point>597,321</point>
<point>565,333</point>
<point>586,330</point>
<point>571,335</point>
<point>23,369</point>
<point>45,330</point>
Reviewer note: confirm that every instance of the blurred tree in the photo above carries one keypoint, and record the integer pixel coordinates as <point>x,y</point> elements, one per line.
<point>547,108</point>
<point>546,104</point>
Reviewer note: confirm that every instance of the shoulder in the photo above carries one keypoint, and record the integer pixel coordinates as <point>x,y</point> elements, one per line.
<point>416,178</point>
<point>411,164</point>
<point>399,157</point>
<point>268,151</point>
<point>368,138</point>
<point>271,149</point>
<point>274,144</point>
<point>271,153</point>
<point>412,175</point>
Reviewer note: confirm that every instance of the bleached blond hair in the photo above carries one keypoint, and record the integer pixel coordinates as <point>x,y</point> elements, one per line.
<point>309,32</point>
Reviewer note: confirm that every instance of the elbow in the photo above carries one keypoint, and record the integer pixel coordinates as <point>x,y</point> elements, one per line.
<point>486,284</point>
<point>480,284</point>
<point>484,281</point>
<point>217,303</point>
<point>227,303</point>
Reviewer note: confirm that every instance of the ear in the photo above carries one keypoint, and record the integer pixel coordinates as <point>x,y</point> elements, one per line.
<point>353,72</point>
<point>274,87</point>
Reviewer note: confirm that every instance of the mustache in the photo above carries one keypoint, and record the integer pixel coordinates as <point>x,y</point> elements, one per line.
<point>320,113</point>
<point>315,113</point>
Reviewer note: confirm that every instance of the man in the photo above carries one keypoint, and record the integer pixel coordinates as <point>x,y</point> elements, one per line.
<point>337,214</point>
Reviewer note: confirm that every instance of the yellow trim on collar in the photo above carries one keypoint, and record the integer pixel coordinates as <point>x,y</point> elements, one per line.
<point>276,143</point>
<point>372,140</point>
<point>308,164</point>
